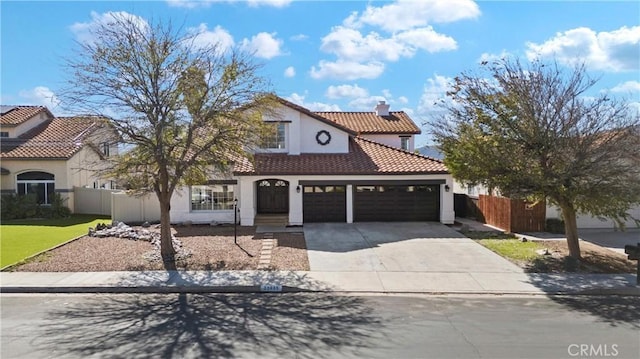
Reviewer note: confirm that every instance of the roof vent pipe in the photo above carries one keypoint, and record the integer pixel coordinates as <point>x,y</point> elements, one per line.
<point>382,109</point>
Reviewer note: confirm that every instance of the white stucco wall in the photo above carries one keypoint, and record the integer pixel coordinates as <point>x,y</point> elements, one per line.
<point>309,128</point>
<point>391,140</point>
<point>247,203</point>
<point>181,209</point>
<point>301,130</point>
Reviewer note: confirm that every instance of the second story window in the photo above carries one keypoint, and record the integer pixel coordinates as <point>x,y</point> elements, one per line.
<point>275,137</point>
<point>404,143</point>
<point>4,134</point>
<point>105,149</point>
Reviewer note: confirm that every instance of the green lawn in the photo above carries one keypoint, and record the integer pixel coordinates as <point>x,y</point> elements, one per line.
<point>512,248</point>
<point>20,239</point>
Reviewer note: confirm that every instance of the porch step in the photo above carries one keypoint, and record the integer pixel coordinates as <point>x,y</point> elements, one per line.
<point>271,220</point>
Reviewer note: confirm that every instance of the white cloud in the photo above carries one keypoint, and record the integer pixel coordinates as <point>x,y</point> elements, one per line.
<point>299,37</point>
<point>264,45</point>
<point>403,100</point>
<point>408,14</point>
<point>487,57</point>
<point>40,95</point>
<point>289,72</point>
<point>629,86</point>
<point>617,50</point>
<point>273,3</point>
<point>409,32</point>
<point>347,70</point>
<point>366,103</point>
<point>218,36</point>
<point>313,106</point>
<point>192,4</point>
<point>426,39</point>
<point>433,94</point>
<point>346,91</point>
<point>84,31</point>
<point>350,44</point>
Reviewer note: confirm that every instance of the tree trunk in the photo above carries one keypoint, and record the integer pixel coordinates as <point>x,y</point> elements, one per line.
<point>167,251</point>
<point>571,229</point>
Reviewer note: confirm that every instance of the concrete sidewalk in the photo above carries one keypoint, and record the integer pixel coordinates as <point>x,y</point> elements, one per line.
<point>288,281</point>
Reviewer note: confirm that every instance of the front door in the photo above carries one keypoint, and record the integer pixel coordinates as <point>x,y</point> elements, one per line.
<point>273,196</point>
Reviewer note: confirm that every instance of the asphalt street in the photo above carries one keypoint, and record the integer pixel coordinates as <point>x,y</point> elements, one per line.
<point>315,325</point>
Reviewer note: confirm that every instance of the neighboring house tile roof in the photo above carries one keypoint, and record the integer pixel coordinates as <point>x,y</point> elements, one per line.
<point>398,122</point>
<point>58,138</point>
<point>365,157</point>
<point>14,115</point>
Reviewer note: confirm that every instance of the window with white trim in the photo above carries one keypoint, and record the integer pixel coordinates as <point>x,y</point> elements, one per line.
<point>212,197</point>
<point>4,134</point>
<point>404,142</point>
<point>275,138</point>
<point>40,184</point>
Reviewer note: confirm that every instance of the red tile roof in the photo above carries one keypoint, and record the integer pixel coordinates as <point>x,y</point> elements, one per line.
<point>398,122</point>
<point>365,157</point>
<point>316,116</point>
<point>58,138</point>
<point>19,114</point>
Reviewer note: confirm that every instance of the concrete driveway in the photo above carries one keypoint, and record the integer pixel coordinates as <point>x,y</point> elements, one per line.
<point>614,240</point>
<point>398,247</point>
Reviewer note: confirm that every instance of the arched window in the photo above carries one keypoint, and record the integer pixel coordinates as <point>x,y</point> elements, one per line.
<point>41,184</point>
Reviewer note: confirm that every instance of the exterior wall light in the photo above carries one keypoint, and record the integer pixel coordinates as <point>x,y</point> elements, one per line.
<point>298,189</point>
<point>446,188</point>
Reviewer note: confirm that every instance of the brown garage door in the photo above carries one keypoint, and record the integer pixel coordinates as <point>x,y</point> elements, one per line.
<point>324,204</point>
<point>396,203</point>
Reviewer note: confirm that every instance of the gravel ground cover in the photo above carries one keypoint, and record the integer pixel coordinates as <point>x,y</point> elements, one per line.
<point>211,248</point>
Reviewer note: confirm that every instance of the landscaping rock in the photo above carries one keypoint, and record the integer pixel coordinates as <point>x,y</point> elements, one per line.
<point>121,230</point>
<point>145,225</point>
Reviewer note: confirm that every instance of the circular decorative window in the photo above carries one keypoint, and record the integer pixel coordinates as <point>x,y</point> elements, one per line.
<point>323,137</point>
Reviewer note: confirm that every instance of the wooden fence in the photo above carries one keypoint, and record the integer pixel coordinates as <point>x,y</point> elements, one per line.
<point>512,215</point>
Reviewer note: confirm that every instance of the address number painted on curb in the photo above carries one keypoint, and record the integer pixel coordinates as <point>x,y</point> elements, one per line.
<point>271,288</point>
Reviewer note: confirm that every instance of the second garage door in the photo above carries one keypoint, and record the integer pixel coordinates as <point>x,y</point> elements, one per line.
<point>396,203</point>
<point>324,204</point>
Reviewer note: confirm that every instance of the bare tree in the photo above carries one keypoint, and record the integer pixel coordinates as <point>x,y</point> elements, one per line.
<point>532,131</point>
<point>184,110</point>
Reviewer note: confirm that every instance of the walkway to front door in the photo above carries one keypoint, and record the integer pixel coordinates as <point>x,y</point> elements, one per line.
<point>273,196</point>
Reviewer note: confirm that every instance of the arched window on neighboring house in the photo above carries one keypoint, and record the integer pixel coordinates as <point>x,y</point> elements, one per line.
<point>42,184</point>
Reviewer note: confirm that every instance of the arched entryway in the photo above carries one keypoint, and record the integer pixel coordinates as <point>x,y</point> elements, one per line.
<point>273,196</point>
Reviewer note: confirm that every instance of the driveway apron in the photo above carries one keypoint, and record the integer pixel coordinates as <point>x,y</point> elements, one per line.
<point>398,247</point>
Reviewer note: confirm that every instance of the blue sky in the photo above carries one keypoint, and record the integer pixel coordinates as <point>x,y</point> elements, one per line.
<point>343,55</point>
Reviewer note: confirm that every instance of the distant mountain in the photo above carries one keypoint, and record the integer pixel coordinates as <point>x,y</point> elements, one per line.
<point>430,151</point>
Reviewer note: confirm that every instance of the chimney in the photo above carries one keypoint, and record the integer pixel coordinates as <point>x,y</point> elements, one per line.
<point>382,109</point>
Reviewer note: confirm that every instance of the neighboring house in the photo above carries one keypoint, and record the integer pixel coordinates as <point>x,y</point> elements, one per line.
<point>583,220</point>
<point>589,221</point>
<point>43,154</point>
<point>328,167</point>
<point>458,187</point>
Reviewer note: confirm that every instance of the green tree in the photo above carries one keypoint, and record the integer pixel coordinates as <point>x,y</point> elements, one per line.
<point>532,132</point>
<point>184,110</point>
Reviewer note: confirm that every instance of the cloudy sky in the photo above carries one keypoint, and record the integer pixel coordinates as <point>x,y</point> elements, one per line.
<point>343,55</point>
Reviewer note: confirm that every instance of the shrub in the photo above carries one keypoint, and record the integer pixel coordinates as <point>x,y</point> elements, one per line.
<point>26,206</point>
<point>554,225</point>
<point>16,207</point>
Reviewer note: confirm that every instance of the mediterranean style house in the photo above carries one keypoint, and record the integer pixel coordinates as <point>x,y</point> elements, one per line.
<point>327,167</point>
<point>43,154</point>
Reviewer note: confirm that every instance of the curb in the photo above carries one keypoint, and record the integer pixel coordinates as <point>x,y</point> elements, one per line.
<point>287,289</point>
